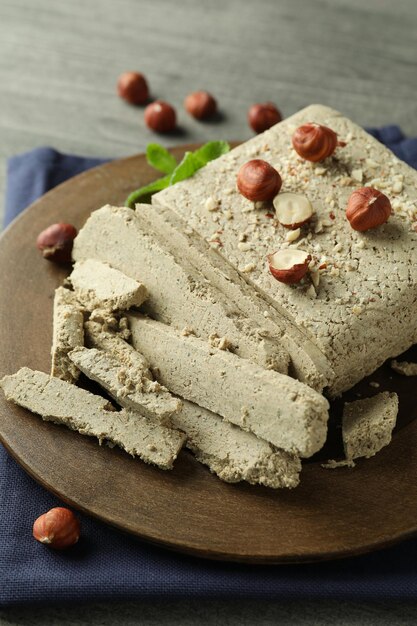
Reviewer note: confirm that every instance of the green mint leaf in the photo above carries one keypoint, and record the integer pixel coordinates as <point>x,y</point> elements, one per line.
<point>210,151</point>
<point>144,193</point>
<point>188,166</point>
<point>193,161</point>
<point>163,161</point>
<point>160,158</point>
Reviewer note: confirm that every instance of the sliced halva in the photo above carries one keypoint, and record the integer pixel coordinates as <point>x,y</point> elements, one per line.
<point>126,384</point>
<point>368,424</point>
<point>178,295</point>
<point>67,334</point>
<point>229,452</point>
<point>307,362</point>
<point>273,406</point>
<point>97,285</point>
<point>234,454</point>
<point>58,401</point>
<point>362,311</point>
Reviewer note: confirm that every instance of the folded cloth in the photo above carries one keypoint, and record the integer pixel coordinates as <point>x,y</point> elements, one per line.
<point>107,564</point>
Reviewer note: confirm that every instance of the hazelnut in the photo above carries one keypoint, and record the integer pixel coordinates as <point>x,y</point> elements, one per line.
<point>258,181</point>
<point>56,241</point>
<point>292,210</point>
<point>160,117</point>
<point>289,266</point>
<point>58,528</point>
<point>262,116</point>
<point>367,208</point>
<point>133,87</point>
<point>314,142</point>
<point>200,104</point>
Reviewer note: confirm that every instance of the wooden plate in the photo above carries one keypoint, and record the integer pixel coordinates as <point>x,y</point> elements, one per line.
<point>333,513</point>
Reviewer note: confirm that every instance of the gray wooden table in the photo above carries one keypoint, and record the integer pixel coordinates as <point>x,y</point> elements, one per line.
<point>59,62</point>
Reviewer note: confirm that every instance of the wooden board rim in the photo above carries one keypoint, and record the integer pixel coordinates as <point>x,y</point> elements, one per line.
<point>19,236</point>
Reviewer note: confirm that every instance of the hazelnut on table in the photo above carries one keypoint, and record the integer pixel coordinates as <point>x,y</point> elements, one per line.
<point>133,87</point>
<point>160,117</point>
<point>58,528</point>
<point>200,104</point>
<point>262,116</point>
<point>56,241</point>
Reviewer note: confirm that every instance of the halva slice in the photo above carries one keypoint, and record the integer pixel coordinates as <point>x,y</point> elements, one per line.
<point>273,406</point>
<point>234,454</point>
<point>126,384</point>
<point>358,302</point>
<point>229,452</point>
<point>58,401</point>
<point>368,424</point>
<point>68,333</point>
<point>178,295</point>
<point>97,285</point>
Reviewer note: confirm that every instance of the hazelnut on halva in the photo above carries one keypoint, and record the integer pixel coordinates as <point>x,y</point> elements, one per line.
<point>262,116</point>
<point>289,265</point>
<point>367,208</point>
<point>314,142</point>
<point>258,181</point>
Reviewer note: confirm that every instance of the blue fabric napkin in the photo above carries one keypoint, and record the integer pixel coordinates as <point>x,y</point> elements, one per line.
<point>107,564</point>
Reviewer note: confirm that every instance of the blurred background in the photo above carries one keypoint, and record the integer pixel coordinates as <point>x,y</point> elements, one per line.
<point>59,64</point>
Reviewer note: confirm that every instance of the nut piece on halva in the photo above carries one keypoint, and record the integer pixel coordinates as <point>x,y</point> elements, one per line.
<point>404,367</point>
<point>58,401</point>
<point>273,406</point>
<point>97,285</point>
<point>178,294</point>
<point>234,454</point>
<point>126,384</point>
<point>368,424</point>
<point>68,333</point>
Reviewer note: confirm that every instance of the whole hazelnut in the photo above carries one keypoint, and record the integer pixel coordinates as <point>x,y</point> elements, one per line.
<point>262,116</point>
<point>133,87</point>
<point>289,266</point>
<point>367,208</point>
<point>56,241</point>
<point>58,528</point>
<point>258,181</point>
<point>160,117</point>
<point>314,142</point>
<point>200,104</point>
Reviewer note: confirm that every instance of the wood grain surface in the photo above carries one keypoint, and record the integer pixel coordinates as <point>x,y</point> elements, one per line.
<point>59,63</point>
<point>332,514</point>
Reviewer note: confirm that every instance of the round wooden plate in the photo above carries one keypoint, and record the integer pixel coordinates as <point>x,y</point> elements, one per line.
<point>333,513</point>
